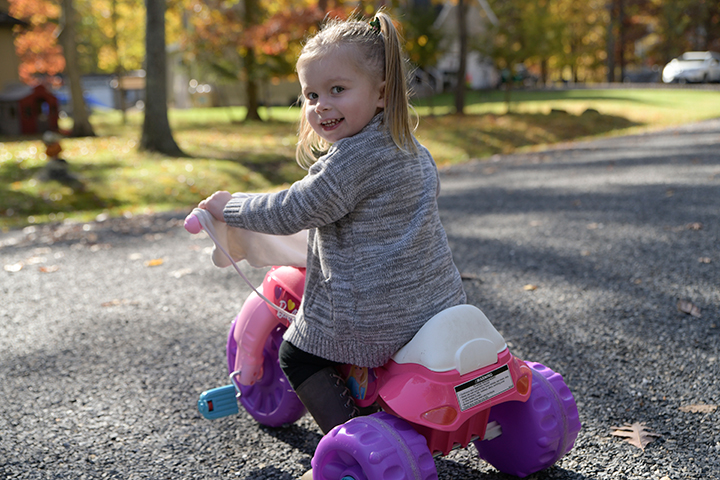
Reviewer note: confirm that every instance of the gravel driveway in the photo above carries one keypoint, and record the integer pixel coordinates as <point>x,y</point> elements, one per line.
<point>582,256</point>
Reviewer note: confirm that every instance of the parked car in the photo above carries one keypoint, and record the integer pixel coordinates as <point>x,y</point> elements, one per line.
<point>693,67</point>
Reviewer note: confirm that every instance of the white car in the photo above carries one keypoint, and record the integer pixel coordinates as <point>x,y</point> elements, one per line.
<point>693,67</point>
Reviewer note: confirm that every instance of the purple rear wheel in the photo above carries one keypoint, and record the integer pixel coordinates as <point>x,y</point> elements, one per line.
<point>271,400</point>
<point>377,447</point>
<point>535,433</point>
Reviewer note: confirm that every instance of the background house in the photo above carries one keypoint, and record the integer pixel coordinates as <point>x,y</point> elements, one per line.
<point>26,110</point>
<point>480,71</point>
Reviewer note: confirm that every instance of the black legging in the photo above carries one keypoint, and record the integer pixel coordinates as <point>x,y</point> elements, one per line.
<point>298,365</point>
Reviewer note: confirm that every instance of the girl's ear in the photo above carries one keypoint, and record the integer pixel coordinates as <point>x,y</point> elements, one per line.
<point>381,99</point>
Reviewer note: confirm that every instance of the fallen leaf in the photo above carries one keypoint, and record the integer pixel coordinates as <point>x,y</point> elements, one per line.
<point>530,287</point>
<point>35,260</point>
<point>154,262</point>
<point>49,269</point>
<point>686,306</point>
<point>15,267</point>
<point>181,273</point>
<point>115,302</point>
<point>698,408</point>
<point>9,242</point>
<point>635,434</point>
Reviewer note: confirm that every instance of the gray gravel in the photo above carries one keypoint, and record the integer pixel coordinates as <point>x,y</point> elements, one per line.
<point>578,255</point>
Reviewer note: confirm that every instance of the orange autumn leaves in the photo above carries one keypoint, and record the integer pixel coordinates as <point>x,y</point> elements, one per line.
<point>37,45</point>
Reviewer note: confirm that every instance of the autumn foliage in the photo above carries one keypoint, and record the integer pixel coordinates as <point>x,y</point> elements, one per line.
<point>111,34</point>
<point>37,45</point>
<point>259,40</point>
<point>223,35</point>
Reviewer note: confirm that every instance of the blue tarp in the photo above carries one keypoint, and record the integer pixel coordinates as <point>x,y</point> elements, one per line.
<point>64,99</point>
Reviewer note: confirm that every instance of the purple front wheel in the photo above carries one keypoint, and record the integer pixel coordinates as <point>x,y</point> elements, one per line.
<point>377,447</point>
<point>535,433</point>
<point>271,400</point>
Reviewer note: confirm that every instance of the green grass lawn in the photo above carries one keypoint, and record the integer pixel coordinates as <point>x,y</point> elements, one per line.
<point>258,156</point>
<point>647,107</point>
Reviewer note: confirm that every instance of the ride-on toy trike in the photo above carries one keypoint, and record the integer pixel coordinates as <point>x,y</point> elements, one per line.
<point>454,383</point>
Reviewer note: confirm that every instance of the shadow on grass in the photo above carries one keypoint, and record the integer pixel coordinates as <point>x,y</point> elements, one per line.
<point>235,127</point>
<point>277,168</point>
<point>89,192</point>
<point>254,156</point>
<point>278,171</point>
<point>62,200</point>
<point>517,96</point>
<point>481,136</point>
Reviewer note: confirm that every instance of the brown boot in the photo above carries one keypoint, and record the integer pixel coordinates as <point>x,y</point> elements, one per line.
<point>327,399</point>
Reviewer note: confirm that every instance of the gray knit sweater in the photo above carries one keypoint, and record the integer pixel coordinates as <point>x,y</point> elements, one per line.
<point>379,265</point>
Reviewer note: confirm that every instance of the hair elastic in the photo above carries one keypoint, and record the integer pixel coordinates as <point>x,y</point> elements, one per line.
<point>375,24</point>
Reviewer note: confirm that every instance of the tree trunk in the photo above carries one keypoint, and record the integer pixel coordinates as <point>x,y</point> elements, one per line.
<point>508,92</point>
<point>462,66</point>
<point>119,68</point>
<point>621,36</point>
<point>708,25</point>
<point>252,92</point>
<point>156,134</point>
<point>81,119</point>
<point>251,88</point>
<point>611,43</point>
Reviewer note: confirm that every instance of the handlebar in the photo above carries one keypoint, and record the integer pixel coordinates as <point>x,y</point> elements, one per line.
<point>192,224</point>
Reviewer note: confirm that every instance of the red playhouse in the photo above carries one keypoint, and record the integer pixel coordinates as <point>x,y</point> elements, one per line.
<point>26,110</point>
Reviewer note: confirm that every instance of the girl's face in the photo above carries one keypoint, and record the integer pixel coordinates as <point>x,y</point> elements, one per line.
<point>339,98</point>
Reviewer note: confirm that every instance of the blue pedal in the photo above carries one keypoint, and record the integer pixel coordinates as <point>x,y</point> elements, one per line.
<point>218,402</point>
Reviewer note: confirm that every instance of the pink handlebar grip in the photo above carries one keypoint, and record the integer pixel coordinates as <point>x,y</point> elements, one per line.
<point>192,224</point>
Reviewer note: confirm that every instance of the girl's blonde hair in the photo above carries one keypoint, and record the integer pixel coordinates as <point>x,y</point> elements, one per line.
<point>380,54</point>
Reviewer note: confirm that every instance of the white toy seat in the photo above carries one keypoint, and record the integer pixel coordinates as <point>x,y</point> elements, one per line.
<point>458,338</point>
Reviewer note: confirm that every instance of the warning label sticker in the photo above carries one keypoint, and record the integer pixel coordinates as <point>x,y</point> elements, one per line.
<point>484,387</point>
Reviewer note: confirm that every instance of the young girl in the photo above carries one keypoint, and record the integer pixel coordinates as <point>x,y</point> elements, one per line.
<point>378,261</point>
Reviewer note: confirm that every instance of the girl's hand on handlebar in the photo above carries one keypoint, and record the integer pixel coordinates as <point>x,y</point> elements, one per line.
<point>215,204</point>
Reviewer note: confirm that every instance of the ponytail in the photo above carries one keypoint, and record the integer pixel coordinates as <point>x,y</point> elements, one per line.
<point>397,106</point>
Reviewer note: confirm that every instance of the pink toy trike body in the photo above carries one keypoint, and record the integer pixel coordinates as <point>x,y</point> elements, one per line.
<point>454,383</point>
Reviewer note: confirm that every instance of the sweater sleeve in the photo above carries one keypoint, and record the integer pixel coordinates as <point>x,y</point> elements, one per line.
<point>327,193</point>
